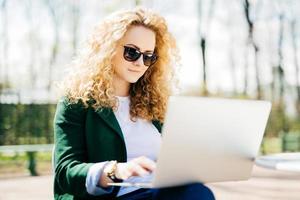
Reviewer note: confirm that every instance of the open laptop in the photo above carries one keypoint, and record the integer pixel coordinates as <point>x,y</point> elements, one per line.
<point>208,140</point>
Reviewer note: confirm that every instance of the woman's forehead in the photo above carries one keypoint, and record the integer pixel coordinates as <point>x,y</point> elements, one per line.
<point>141,37</point>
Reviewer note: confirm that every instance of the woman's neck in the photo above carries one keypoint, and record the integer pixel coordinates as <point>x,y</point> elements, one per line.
<point>121,87</point>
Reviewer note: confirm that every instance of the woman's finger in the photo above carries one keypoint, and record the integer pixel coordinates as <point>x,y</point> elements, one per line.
<point>136,169</point>
<point>126,170</point>
<point>146,163</point>
<point>122,171</point>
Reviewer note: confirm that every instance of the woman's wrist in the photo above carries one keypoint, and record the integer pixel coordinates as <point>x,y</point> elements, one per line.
<point>104,180</point>
<point>109,174</point>
<point>111,171</point>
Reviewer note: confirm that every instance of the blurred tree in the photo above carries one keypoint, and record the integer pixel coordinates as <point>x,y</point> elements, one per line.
<point>231,54</point>
<point>203,33</point>
<point>33,44</point>
<point>278,70</point>
<point>4,43</point>
<point>251,42</point>
<point>54,7</point>
<point>233,66</point>
<point>76,13</point>
<point>279,77</point>
<point>293,23</point>
<point>137,2</point>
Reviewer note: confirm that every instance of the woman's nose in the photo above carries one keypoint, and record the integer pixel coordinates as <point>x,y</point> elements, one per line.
<point>139,62</point>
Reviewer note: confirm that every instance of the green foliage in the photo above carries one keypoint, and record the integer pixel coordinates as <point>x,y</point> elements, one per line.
<point>278,121</point>
<point>290,141</point>
<point>271,145</point>
<point>26,124</point>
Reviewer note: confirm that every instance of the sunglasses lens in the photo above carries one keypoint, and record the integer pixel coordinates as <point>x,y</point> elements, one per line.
<point>131,54</point>
<point>149,59</point>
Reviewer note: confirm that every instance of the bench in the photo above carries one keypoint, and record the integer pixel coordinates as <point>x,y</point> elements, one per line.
<point>30,150</point>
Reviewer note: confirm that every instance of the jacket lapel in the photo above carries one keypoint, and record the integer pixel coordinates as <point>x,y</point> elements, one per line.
<point>158,125</point>
<point>109,117</point>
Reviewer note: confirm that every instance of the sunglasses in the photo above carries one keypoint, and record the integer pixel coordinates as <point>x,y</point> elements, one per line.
<point>132,54</point>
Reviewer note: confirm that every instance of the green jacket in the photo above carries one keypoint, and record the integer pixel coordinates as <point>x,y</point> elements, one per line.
<point>83,137</point>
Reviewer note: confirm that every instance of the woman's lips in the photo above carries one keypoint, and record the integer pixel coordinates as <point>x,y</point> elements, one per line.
<point>133,70</point>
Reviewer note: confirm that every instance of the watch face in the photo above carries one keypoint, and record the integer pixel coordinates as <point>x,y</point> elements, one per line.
<point>111,172</point>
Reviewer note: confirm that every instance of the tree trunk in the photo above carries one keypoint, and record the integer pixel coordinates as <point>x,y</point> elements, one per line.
<point>255,48</point>
<point>203,39</point>
<point>296,63</point>
<point>279,68</point>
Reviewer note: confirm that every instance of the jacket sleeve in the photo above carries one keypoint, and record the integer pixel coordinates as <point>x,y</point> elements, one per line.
<point>70,154</point>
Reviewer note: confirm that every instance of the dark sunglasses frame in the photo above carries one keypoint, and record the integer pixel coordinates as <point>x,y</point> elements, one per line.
<point>132,54</point>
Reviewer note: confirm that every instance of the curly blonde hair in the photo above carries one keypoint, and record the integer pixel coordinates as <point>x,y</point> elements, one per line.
<point>91,75</point>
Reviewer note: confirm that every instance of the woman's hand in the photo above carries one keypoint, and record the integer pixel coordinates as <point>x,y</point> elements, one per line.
<point>139,166</point>
<point>136,167</point>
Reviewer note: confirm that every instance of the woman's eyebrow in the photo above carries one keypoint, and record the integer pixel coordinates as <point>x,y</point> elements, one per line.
<point>150,51</point>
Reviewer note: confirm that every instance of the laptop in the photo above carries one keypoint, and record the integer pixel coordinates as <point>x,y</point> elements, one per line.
<point>208,140</point>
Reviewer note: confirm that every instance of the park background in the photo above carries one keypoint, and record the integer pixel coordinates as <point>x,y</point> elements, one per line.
<point>246,49</point>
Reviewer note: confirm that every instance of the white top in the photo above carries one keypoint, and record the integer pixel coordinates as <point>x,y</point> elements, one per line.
<point>141,139</point>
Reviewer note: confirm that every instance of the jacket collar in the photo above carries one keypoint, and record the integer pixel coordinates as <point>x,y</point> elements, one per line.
<point>109,117</point>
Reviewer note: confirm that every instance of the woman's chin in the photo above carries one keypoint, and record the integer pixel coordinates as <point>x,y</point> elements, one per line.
<point>133,80</point>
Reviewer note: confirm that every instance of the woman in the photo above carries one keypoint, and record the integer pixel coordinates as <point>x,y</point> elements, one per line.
<point>107,126</point>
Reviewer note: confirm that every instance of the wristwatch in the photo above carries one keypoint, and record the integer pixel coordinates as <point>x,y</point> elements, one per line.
<point>110,171</point>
